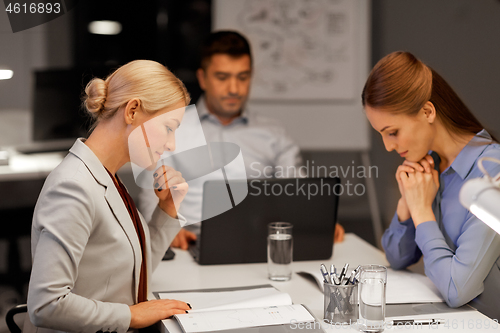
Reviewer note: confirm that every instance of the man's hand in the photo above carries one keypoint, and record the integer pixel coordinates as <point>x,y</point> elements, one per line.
<point>183,238</point>
<point>339,233</point>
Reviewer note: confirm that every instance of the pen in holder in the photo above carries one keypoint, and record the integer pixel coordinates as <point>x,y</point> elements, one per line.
<point>341,303</point>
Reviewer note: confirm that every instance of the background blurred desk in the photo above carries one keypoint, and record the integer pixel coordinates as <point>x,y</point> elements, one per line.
<point>29,164</point>
<point>20,183</point>
<point>183,273</point>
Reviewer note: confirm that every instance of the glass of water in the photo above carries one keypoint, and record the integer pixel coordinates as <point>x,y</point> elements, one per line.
<point>372,285</point>
<point>279,251</point>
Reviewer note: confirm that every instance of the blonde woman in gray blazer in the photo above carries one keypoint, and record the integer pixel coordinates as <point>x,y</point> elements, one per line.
<point>86,250</point>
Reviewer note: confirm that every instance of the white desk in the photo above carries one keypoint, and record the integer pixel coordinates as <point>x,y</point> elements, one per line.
<point>183,273</point>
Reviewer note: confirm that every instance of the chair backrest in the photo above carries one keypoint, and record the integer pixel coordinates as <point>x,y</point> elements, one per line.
<point>9,317</point>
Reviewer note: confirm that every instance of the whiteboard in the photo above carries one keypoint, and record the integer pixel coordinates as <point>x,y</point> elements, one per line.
<point>311,59</point>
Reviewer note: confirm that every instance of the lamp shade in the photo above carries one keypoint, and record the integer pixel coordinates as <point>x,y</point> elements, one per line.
<point>482,197</point>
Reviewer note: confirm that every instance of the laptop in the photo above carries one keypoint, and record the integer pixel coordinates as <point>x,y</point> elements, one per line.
<point>239,234</point>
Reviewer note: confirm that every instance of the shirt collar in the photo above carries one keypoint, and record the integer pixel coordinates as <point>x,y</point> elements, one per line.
<point>468,156</point>
<point>201,107</point>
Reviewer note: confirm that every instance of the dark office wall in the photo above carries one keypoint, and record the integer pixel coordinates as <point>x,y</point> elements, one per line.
<point>166,31</point>
<point>460,40</point>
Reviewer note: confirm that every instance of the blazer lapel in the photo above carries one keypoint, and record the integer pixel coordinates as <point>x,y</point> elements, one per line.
<point>122,215</point>
<point>114,201</point>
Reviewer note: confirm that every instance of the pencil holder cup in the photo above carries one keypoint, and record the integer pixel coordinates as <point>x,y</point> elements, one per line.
<point>341,303</point>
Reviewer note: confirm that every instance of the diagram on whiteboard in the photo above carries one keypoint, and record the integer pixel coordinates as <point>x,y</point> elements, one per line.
<point>303,49</point>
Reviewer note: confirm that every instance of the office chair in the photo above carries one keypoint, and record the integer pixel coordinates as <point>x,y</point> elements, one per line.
<point>9,317</point>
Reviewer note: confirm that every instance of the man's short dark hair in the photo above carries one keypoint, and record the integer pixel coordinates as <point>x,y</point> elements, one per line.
<point>224,42</point>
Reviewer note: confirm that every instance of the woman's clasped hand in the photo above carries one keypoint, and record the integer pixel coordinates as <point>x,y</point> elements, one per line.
<point>418,184</point>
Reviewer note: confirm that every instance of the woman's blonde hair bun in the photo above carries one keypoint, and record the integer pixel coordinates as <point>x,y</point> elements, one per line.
<point>149,81</point>
<point>94,100</point>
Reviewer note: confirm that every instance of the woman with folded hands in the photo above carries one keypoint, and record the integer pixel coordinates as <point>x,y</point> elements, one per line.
<point>420,117</point>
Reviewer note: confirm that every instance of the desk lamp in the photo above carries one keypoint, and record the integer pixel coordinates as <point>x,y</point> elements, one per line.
<point>482,196</point>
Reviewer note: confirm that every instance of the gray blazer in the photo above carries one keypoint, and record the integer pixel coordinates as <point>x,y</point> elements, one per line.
<point>85,250</point>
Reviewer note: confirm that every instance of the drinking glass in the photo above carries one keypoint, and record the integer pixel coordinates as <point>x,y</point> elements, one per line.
<point>279,251</point>
<point>372,286</point>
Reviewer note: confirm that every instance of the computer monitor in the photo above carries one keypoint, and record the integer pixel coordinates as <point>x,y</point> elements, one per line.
<point>239,235</point>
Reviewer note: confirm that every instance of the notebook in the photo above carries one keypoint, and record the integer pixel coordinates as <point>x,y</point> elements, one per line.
<point>239,235</point>
<point>262,307</point>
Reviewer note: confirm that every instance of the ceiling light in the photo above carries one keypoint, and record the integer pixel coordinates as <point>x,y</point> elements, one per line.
<point>105,27</point>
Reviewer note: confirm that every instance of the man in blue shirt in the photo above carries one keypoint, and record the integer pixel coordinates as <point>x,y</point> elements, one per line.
<point>225,75</point>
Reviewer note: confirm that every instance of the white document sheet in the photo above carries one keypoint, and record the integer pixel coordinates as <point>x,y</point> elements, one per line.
<point>243,318</point>
<point>409,287</point>
<point>402,287</point>
<point>225,300</point>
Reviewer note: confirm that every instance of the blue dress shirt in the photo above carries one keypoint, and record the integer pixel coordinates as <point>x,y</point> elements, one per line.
<point>461,253</point>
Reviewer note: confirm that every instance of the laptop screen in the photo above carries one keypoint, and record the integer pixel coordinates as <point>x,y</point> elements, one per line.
<point>239,234</point>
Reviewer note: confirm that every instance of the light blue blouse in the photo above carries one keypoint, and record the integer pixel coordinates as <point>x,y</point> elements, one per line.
<point>461,253</point>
